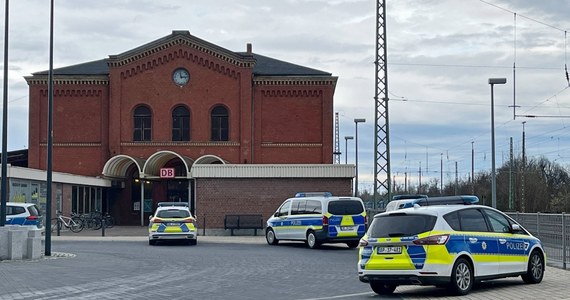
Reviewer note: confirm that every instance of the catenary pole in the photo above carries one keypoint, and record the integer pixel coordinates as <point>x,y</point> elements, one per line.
<point>4,187</point>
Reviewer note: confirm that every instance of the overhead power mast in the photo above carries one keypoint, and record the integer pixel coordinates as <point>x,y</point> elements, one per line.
<point>382,129</point>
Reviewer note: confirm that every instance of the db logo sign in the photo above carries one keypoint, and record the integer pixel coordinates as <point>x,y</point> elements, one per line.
<point>167,173</point>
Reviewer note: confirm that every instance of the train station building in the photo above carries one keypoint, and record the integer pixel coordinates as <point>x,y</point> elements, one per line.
<point>182,119</point>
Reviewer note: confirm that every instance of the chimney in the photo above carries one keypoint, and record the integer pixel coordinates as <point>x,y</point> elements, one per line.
<point>249,48</point>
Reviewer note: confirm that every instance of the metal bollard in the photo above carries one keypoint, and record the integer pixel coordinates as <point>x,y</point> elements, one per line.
<point>103,226</point>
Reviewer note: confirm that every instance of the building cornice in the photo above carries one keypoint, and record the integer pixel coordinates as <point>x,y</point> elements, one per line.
<point>295,80</point>
<point>68,80</point>
<point>180,144</point>
<point>291,145</point>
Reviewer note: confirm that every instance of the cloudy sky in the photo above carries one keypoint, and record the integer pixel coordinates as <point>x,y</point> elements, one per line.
<point>440,56</point>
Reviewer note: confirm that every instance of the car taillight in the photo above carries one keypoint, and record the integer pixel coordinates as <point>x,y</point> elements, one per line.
<point>32,218</point>
<point>189,221</point>
<point>366,220</point>
<point>433,240</point>
<point>156,220</point>
<point>362,243</point>
<point>325,221</point>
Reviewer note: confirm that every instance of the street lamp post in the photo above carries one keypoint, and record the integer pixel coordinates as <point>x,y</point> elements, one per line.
<point>492,82</point>
<point>356,121</point>
<point>346,138</point>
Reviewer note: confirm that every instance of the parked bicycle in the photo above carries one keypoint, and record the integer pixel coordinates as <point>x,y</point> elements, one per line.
<point>108,220</point>
<point>90,220</point>
<point>73,224</point>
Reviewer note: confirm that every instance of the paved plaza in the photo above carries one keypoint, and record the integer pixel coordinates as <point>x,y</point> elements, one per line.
<point>122,265</point>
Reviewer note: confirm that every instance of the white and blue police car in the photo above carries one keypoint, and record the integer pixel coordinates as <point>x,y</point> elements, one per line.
<point>318,218</point>
<point>447,245</point>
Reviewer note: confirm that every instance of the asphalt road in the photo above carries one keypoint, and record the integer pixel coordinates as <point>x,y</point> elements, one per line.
<point>221,269</point>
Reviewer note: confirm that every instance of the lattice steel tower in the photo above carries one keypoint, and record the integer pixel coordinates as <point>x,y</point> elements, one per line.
<point>381,129</point>
<point>336,152</point>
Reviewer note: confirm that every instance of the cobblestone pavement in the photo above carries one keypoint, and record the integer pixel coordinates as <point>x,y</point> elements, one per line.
<point>126,267</point>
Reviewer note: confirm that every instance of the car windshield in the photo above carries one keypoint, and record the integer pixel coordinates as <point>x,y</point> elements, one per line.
<point>173,213</point>
<point>345,207</point>
<point>400,224</point>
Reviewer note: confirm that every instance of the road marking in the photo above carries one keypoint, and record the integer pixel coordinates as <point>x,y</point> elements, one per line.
<point>340,296</point>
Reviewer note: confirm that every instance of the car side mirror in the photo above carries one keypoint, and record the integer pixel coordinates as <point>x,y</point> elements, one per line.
<point>149,218</point>
<point>515,228</point>
<point>276,214</point>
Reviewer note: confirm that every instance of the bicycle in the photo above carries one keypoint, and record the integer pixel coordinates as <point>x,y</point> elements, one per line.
<point>73,224</point>
<point>109,220</point>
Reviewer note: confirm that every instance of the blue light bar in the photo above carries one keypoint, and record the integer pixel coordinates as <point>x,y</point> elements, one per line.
<point>447,200</point>
<point>163,204</point>
<point>313,194</point>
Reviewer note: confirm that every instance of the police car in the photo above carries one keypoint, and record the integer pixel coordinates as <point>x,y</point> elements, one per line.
<point>406,201</point>
<point>447,245</point>
<point>172,221</point>
<point>27,214</point>
<point>318,218</point>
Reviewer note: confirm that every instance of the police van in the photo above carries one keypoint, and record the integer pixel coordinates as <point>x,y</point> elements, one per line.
<point>318,218</point>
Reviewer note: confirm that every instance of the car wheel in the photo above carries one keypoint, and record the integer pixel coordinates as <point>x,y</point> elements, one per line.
<point>152,242</point>
<point>270,237</point>
<point>352,244</point>
<point>461,277</point>
<point>535,269</point>
<point>312,241</point>
<point>382,288</point>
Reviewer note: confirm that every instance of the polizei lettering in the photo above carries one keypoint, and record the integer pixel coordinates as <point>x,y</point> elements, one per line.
<point>515,246</point>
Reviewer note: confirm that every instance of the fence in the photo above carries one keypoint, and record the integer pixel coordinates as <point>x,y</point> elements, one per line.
<point>553,230</point>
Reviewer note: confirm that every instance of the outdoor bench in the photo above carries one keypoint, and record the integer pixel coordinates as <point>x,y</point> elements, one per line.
<point>243,222</point>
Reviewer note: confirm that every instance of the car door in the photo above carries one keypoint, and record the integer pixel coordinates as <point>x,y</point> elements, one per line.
<point>513,248</point>
<point>296,219</point>
<point>281,223</point>
<point>479,241</point>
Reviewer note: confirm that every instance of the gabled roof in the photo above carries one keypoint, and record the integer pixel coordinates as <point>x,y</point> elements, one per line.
<point>96,67</point>
<point>264,66</point>
<point>267,66</point>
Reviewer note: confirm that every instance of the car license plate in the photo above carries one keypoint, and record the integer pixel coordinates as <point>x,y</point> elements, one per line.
<point>389,250</point>
<point>346,228</point>
<point>172,224</point>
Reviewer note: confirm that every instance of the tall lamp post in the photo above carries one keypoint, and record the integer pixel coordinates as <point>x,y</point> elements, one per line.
<point>346,138</point>
<point>356,121</point>
<point>492,82</point>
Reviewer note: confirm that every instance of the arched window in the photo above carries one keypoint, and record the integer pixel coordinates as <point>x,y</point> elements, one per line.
<point>142,128</point>
<point>180,124</point>
<point>220,123</point>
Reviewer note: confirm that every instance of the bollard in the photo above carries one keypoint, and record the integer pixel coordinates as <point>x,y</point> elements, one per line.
<point>4,242</point>
<point>16,243</point>
<point>204,227</point>
<point>103,226</point>
<point>34,245</point>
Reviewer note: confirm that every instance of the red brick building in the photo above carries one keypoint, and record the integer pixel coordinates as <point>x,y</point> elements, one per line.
<point>177,102</point>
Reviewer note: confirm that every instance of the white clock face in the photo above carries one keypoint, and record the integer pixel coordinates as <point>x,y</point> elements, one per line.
<point>181,76</point>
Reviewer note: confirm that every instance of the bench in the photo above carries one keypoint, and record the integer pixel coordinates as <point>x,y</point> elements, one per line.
<point>243,222</point>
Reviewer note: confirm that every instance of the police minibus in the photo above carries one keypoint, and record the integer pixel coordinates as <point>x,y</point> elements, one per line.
<point>318,218</point>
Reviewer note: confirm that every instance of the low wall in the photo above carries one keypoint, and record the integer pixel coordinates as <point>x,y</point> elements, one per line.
<point>20,242</point>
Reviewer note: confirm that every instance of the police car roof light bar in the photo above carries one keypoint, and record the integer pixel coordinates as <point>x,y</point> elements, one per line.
<point>163,204</point>
<point>462,199</point>
<point>313,194</point>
